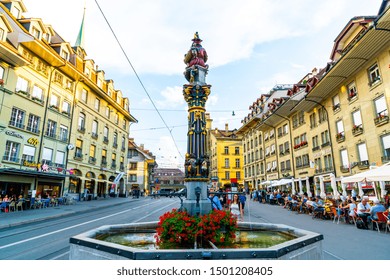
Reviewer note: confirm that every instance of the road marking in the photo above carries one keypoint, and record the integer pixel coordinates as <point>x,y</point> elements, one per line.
<point>78,225</point>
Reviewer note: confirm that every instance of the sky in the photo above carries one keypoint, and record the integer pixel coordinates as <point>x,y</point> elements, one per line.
<point>252,45</point>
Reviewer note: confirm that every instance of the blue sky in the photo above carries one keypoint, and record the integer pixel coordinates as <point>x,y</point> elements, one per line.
<point>252,45</point>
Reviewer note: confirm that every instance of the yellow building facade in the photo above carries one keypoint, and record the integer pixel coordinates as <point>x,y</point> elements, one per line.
<point>64,126</point>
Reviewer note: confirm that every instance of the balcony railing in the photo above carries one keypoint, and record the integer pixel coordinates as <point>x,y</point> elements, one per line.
<point>105,140</point>
<point>81,129</point>
<point>92,160</point>
<point>344,169</point>
<point>364,164</point>
<point>357,129</point>
<point>381,119</point>
<point>340,137</point>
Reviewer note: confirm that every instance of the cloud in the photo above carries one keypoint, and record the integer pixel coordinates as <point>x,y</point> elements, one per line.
<point>172,97</point>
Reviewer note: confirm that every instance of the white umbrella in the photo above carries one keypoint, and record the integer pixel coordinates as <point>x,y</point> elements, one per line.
<point>322,191</point>
<point>381,173</point>
<point>308,187</point>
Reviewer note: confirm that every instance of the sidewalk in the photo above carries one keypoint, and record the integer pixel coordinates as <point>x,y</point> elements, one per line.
<point>11,219</point>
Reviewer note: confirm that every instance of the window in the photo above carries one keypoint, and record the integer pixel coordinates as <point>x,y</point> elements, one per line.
<point>105,134</point>
<point>313,121</point>
<point>65,55</point>
<point>79,149</point>
<point>318,164</point>
<point>17,118</point>
<point>237,163</point>
<point>285,129</point>
<point>237,150</point>
<point>322,115</point>
<point>357,119</point>
<point>37,93</point>
<point>1,72</point>
<point>227,175</point>
<point>36,33</point>
<point>315,141</point>
<point>286,147</point>
<point>95,129</point>
<point>81,122</point>
<point>344,159</point>
<point>274,166</point>
<point>15,11</point>
<point>84,95</point>
<point>363,155</point>
<point>113,160</point>
<point>92,152</point>
<point>226,150</point>
<point>288,165</point>
<point>336,102</point>
<point>123,143</point>
<point>325,137</point>
<point>328,162</point>
<point>51,129</point>
<point>33,123</point>
<point>373,74</point>
<point>97,104</point>
<point>108,111</point>
<point>133,166</point>
<point>116,118</point>
<point>60,158</point>
<point>47,156</point>
<point>386,147</point>
<point>28,154</point>
<point>63,133</point>
<point>269,166</point>
<point>11,151</point>
<point>104,157</point>
<point>115,144</point>
<point>380,106</point>
<point>340,129</point>
<point>132,178</point>
<point>238,175</point>
<point>272,149</point>
<point>124,124</point>
<point>21,85</point>
<point>227,165</point>
<point>352,91</point>
<point>54,101</point>
<point>66,107</point>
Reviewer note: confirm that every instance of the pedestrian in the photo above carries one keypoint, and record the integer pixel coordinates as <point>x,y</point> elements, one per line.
<point>236,208</point>
<point>215,202</point>
<point>242,198</point>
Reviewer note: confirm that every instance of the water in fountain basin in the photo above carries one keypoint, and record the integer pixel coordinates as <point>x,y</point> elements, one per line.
<point>244,239</point>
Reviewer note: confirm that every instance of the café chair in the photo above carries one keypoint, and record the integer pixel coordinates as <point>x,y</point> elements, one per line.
<point>336,215</point>
<point>19,205</point>
<point>12,205</point>
<point>382,219</point>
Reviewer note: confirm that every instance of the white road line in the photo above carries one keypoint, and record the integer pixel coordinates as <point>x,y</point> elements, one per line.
<point>78,225</point>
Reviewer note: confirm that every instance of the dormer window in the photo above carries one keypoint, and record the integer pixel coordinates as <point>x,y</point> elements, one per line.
<point>36,33</point>
<point>46,36</point>
<point>65,55</point>
<point>87,72</point>
<point>15,11</point>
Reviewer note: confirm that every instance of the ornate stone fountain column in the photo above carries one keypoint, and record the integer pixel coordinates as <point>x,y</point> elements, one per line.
<point>196,93</point>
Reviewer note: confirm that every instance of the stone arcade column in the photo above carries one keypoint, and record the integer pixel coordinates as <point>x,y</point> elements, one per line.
<point>196,93</point>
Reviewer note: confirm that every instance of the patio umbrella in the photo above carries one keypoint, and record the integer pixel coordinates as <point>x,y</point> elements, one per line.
<point>378,174</point>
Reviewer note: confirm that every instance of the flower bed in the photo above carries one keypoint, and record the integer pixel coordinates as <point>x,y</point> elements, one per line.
<point>178,229</point>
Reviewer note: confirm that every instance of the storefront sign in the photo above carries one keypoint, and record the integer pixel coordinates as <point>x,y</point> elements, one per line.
<point>31,164</point>
<point>33,141</point>
<point>14,134</point>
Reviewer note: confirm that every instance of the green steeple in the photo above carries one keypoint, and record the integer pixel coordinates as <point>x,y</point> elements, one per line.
<point>80,37</point>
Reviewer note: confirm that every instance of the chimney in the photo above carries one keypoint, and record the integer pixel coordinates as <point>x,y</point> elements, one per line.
<point>141,146</point>
<point>226,127</point>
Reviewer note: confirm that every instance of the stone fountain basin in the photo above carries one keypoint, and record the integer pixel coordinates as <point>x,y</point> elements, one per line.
<point>306,246</point>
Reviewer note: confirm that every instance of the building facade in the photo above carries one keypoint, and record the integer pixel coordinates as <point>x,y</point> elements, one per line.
<point>64,126</point>
<point>337,118</point>
<point>140,171</point>
<point>226,156</point>
<point>168,178</point>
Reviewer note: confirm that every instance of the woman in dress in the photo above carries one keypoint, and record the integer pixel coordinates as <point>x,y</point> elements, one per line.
<point>236,208</point>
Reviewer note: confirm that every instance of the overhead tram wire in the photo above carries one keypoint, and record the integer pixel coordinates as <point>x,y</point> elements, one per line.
<point>139,79</point>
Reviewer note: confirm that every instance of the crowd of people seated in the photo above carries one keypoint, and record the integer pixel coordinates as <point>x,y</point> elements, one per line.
<point>350,208</point>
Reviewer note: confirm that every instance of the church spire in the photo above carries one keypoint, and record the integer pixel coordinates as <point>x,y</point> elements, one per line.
<point>80,36</point>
